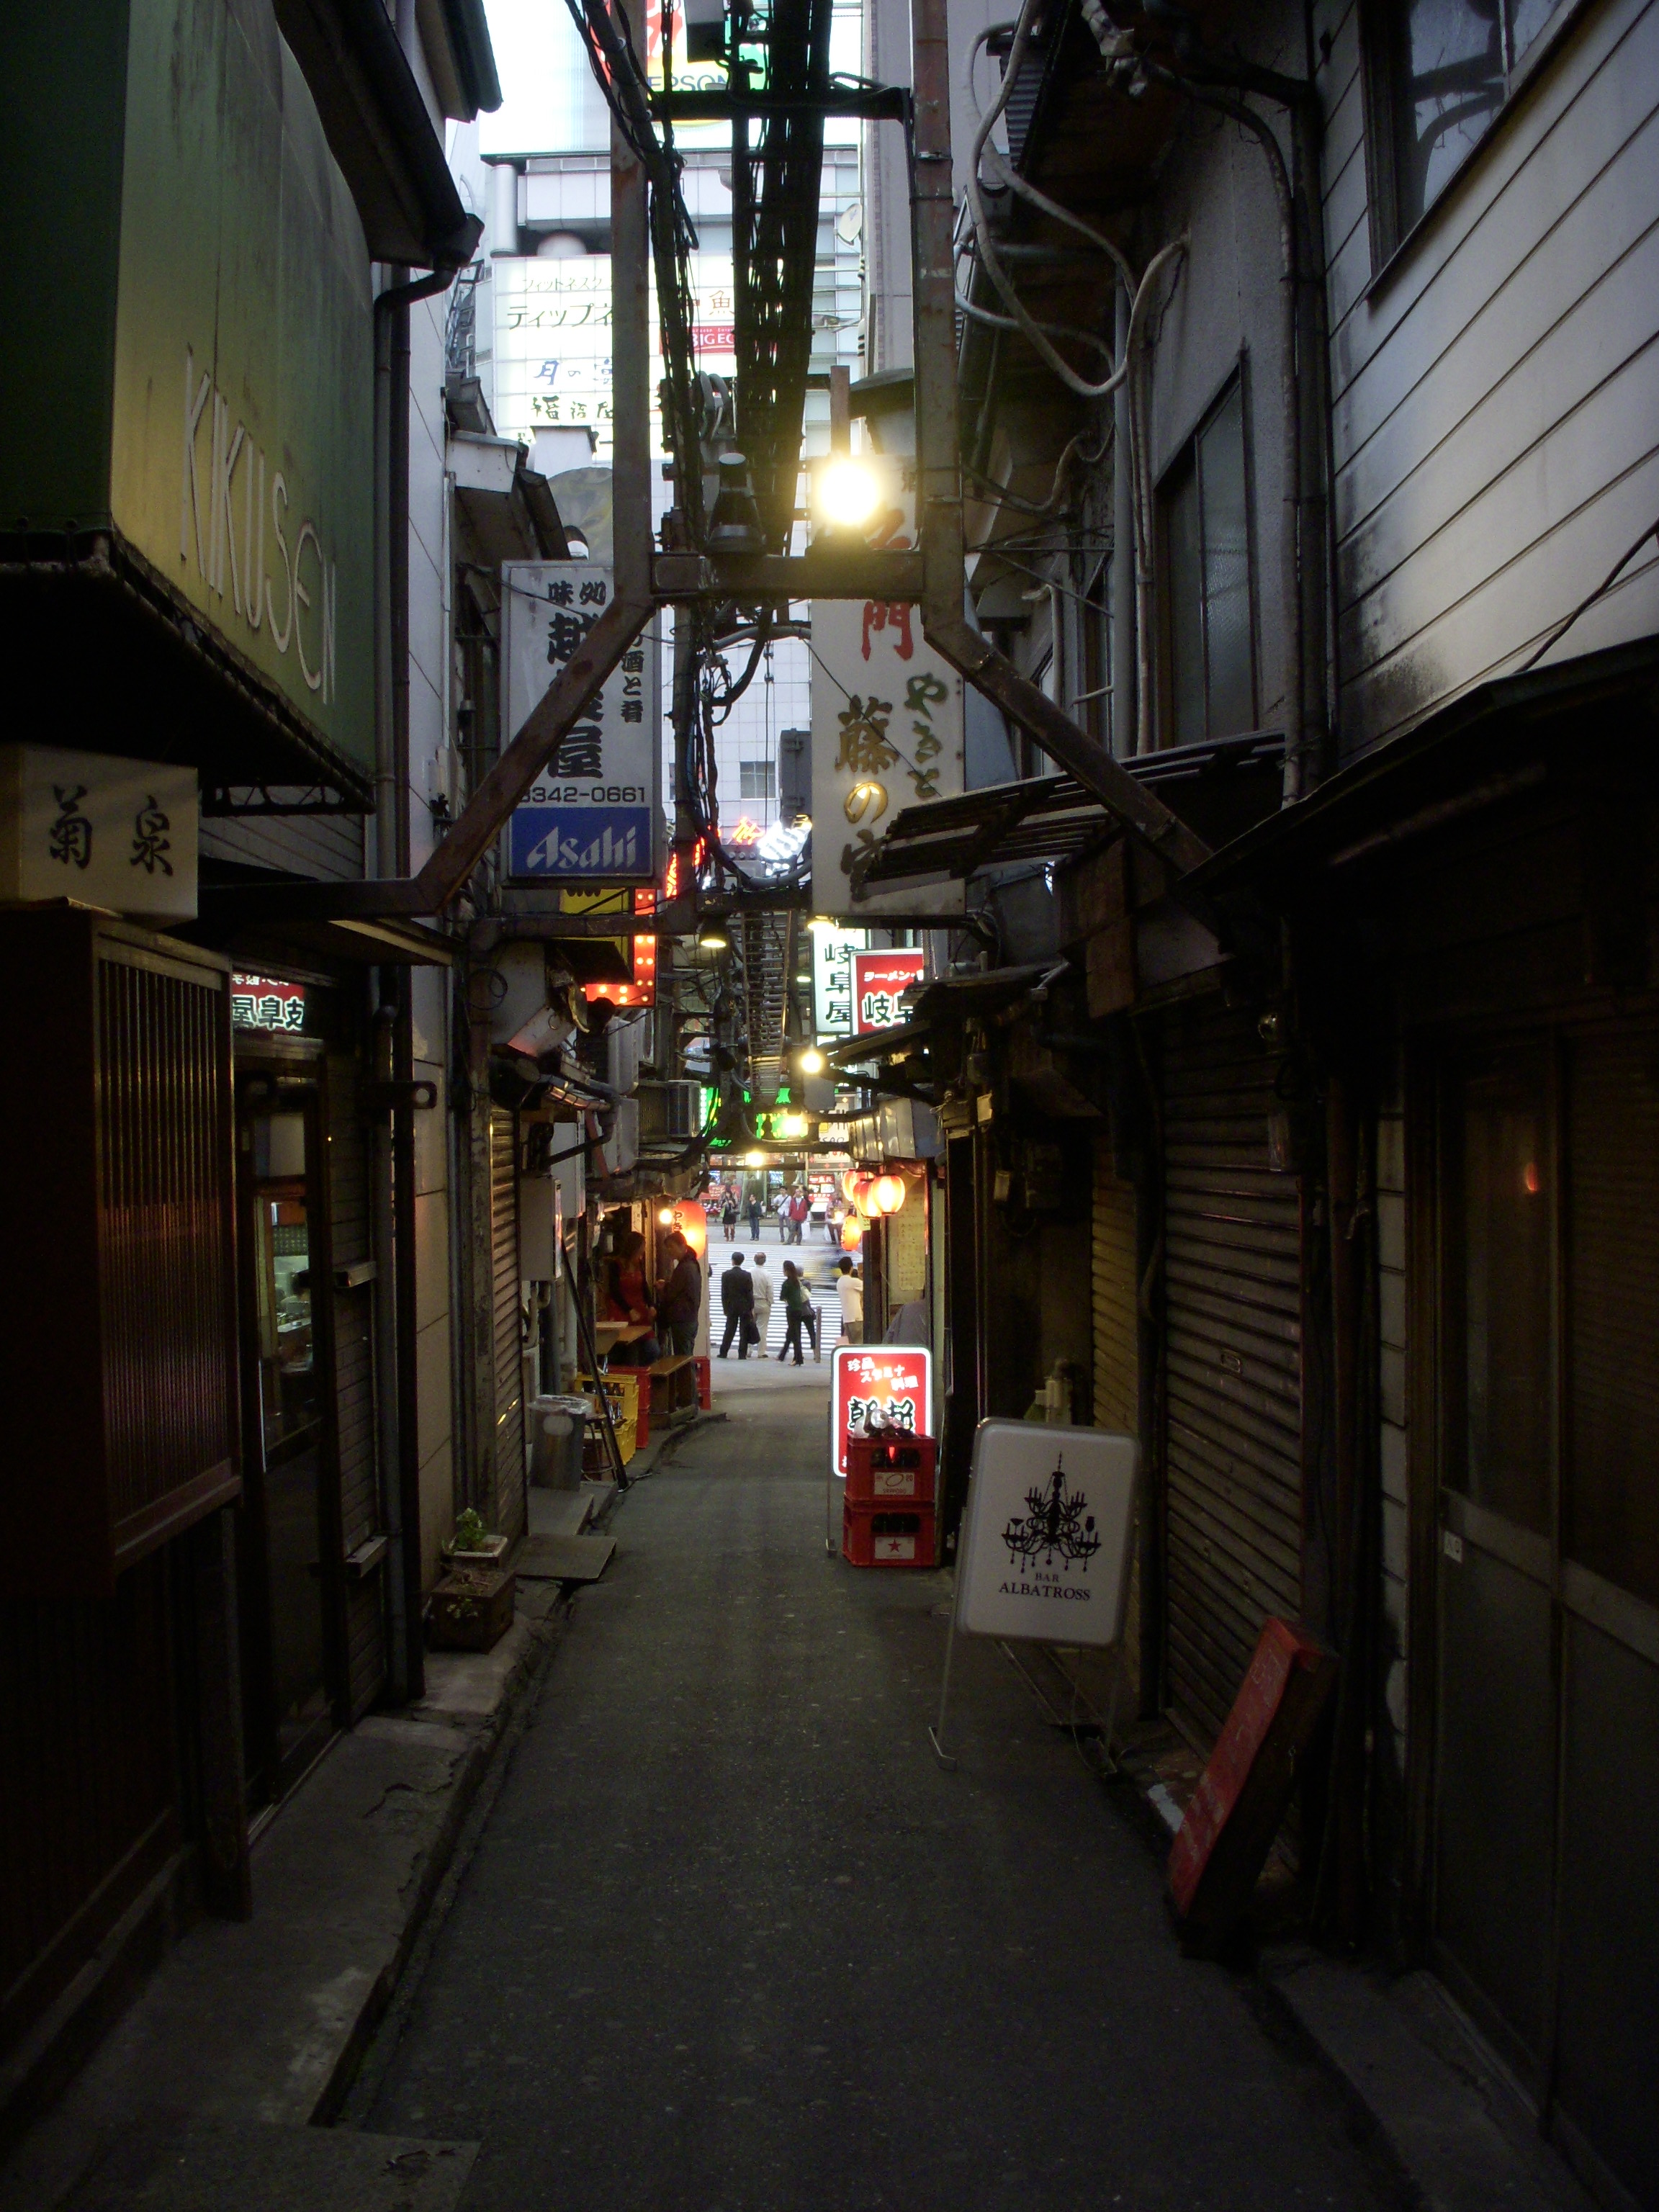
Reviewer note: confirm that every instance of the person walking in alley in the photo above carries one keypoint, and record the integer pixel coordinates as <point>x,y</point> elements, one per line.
<point>729,1214</point>
<point>738,1304</point>
<point>755,1211</point>
<point>679,1296</point>
<point>851,1286</point>
<point>761,1282</point>
<point>797,1305</point>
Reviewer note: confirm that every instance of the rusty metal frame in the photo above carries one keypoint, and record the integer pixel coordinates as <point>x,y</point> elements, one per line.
<point>647,578</point>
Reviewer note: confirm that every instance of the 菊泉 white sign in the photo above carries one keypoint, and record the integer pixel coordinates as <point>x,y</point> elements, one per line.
<point>887,721</point>
<point>1046,1548</point>
<point>592,815</point>
<point>121,834</point>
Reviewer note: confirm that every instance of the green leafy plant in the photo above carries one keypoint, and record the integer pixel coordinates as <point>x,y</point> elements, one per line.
<point>471,1534</point>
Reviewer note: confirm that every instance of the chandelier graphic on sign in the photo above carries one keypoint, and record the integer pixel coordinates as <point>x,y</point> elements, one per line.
<point>1056,1525</point>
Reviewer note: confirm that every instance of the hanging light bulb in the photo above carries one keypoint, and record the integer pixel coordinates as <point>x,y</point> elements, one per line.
<point>847,493</point>
<point>810,1062</point>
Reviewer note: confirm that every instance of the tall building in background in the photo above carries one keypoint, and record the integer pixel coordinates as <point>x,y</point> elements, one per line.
<point>541,312</point>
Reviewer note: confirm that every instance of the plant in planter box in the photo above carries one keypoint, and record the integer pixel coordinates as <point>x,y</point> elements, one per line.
<point>472,1545</point>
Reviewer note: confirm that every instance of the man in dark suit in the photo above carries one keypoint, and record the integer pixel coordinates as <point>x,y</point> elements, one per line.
<point>738,1304</point>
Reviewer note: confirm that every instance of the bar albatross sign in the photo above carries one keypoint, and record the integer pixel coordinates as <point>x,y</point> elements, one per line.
<point>1046,1547</point>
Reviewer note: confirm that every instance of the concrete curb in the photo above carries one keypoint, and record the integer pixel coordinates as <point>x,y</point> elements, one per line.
<point>270,2018</point>
<point>1412,2071</point>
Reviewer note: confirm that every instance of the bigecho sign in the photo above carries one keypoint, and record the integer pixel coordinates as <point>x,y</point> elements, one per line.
<point>898,1378</point>
<point>879,981</point>
<point>1046,1547</point>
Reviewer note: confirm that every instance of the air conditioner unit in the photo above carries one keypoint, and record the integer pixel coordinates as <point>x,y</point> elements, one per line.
<point>622,1148</point>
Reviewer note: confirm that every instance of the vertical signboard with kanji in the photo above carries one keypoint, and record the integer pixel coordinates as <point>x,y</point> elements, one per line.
<point>887,723</point>
<point>832,977</point>
<point>593,815</point>
<point>879,982</point>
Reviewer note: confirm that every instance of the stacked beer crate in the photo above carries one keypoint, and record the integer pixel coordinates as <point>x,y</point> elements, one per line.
<point>888,1514</point>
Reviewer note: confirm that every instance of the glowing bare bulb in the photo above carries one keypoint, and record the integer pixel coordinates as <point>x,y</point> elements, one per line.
<point>847,493</point>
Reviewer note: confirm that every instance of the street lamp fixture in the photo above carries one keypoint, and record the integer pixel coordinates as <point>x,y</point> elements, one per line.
<point>848,491</point>
<point>811,1061</point>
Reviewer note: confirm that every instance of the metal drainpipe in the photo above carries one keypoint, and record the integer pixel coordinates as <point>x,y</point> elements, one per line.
<point>1122,724</point>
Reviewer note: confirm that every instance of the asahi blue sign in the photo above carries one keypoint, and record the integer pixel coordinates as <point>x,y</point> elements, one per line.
<point>591,817</point>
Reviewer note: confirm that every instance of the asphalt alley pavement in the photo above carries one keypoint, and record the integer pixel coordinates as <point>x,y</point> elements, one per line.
<point>731,1941</point>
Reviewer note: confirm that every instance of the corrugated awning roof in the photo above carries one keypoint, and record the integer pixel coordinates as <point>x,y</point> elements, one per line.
<point>1220,789</point>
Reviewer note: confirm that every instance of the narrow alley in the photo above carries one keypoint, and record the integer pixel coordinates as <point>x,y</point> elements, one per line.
<point>731,1940</point>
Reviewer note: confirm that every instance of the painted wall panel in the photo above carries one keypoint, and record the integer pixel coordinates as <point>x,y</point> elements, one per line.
<point>241,468</point>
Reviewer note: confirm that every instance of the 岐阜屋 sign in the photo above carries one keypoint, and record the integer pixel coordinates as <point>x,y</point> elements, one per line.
<point>1045,1551</point>
<point>893,1380</point>
<point>591,814</point>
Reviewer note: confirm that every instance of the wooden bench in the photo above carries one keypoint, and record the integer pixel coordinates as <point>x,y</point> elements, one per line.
<point>668,1389</point>
<point>674,1387</point>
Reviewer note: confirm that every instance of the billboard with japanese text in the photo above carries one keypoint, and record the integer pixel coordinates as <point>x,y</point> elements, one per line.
<point>593,815</point>
<point>879,982</point>
<point>887,722</point>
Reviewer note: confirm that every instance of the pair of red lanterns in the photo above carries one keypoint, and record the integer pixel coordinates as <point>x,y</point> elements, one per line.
<point>874,1196</point>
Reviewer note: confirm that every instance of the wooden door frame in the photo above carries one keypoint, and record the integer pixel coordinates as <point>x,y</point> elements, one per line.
<point>301,1063</point>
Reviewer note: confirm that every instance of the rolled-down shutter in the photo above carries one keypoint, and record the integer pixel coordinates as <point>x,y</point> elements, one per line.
<point>1232,1463</point>
<point>505,1307</point>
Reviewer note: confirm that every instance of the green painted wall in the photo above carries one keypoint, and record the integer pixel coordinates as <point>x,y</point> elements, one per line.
<point>195,344</point>
<point>65,68</point>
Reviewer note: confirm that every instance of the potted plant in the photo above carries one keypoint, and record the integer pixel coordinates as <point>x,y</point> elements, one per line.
<point>472,1545</point>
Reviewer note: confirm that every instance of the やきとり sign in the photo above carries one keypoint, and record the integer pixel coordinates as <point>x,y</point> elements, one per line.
<point>1046,1547</point>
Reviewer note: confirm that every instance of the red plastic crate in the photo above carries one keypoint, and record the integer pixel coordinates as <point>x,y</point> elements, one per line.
<point>705,1383</point>
<point>888,1536</point>
<point>890,1470</point>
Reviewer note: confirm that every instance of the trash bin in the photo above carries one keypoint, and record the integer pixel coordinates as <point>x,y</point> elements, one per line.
<point>557,1426</point>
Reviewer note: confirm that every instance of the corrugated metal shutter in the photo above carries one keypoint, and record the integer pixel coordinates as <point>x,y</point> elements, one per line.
<point>1232,1471</point>
<point>508,1517</point>
<point>1117,1355</point>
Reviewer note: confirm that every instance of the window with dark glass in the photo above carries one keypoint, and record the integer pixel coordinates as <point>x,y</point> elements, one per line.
<point>1440,71</point>
<point>754,779</point>
<point>1209,663</point>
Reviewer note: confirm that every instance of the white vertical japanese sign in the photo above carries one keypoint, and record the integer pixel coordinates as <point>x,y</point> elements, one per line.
<point>593,815</point>
<point>887,722</point>
<point>833,948</point>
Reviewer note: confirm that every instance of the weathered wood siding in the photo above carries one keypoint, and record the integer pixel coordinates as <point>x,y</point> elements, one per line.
<point>1495,387</point>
